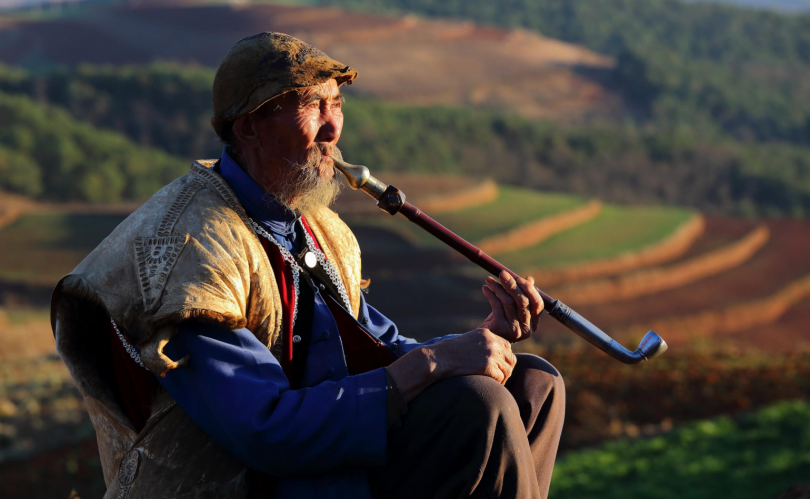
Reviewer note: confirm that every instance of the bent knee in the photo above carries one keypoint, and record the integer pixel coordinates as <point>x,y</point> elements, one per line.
<point>535,371</point>
<point>475,397</point>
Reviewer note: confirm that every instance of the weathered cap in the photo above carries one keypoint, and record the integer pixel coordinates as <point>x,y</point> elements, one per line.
<point>262,66</point>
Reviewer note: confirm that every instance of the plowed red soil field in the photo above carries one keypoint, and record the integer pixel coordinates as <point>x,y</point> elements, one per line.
<point>789,334</point>
<point>402,59</point>
<point>719,232</point>
<point>782,260</point>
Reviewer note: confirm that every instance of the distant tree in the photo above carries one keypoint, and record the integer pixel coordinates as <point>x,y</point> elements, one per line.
<point>45,152</point>
<point>19,173</point>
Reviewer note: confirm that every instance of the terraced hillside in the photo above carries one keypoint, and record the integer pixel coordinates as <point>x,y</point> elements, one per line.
<point>749,292</point>
<point>698,266</point>
<point>627,269</point>
<point>400,59</point>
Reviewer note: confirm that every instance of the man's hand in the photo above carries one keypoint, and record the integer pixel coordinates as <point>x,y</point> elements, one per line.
<point>487,351</point>
<point>479,352</point>
<point>516,307</point>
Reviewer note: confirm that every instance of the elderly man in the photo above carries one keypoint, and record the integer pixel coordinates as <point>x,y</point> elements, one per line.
<point>224,348</point>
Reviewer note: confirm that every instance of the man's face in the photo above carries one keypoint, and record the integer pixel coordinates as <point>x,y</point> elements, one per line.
<point>297,133</point>
<point>300,121</point>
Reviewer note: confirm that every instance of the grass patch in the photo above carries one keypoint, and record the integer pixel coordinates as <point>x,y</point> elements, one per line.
<point>614,231</point>
<point>514,207</point>
<point>756,456</point>
<point>41,248</point>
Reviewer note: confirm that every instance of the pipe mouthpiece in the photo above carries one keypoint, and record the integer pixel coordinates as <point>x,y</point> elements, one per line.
<point>652,345</point>
<point>356,175</point>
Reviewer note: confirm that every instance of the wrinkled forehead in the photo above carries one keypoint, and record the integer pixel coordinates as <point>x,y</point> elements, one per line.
<point>326,90</point>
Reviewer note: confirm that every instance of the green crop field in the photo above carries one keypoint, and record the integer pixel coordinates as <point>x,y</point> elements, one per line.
<point>617,229</point>
<point>514,207</point>
<point>41,248</point>
<point>756,456</point>
<point>614,231</point>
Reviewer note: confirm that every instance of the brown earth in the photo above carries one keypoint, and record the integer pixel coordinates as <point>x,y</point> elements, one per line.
<point>754,315</point>
<point>657,279</point>
<point>401,59</point>
<point>789,333</point>
<point>719,231</point>
<point>781,261</point>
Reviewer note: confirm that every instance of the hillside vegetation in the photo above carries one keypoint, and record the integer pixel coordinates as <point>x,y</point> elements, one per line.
<point>168,107</point>
<point>755,456</point>
<point>47,153</point>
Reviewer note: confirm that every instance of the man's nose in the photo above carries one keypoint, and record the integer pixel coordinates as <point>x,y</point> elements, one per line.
<point>330,127</point>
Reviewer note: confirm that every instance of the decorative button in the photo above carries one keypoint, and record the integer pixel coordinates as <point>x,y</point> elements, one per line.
<point>310,260</point>
<point>296,339</point>
<point>322,286</point>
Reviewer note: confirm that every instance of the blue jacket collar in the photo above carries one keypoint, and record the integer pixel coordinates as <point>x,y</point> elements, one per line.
<point>259,204</point>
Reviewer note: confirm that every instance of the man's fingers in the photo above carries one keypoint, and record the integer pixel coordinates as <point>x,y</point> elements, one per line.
<point>508,302</point>
<point>521,301</point>
<point>529,289</point>
<point>498,316</point>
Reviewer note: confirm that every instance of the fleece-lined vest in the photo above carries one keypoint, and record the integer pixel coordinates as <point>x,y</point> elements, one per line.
<point>188,253</point>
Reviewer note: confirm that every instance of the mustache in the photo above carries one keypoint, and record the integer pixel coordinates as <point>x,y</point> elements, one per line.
<point>316,153</point>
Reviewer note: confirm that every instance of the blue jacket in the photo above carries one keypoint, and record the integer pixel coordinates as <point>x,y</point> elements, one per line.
<point>318,439</point>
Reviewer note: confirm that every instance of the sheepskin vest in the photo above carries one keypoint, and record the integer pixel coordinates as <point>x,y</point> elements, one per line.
<point>188,253</point>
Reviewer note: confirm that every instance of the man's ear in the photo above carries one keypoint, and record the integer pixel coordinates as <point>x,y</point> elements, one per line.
<point>245,132</point>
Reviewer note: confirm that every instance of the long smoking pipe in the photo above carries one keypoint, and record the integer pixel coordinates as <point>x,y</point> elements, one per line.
<point>392,200</point>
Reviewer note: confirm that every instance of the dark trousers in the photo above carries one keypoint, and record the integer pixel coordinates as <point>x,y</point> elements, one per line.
<point>472,437</point>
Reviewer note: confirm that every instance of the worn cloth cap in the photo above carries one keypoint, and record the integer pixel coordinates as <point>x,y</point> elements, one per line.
<point>263,66</point>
